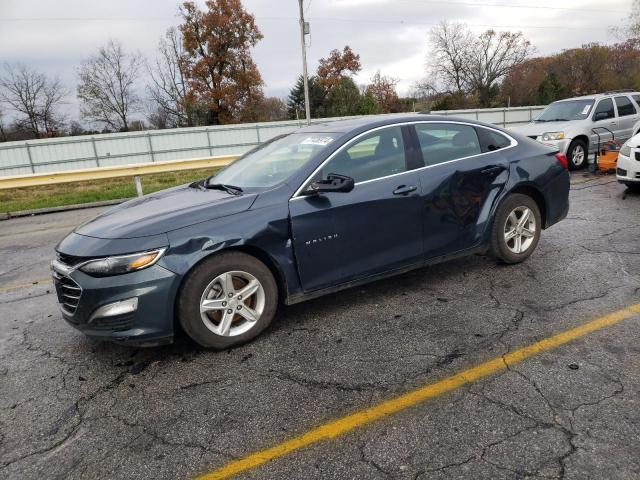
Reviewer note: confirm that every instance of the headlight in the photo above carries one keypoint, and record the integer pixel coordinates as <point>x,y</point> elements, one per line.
<point>625,150</point>
<point>121,264</point>
<point>549,136</point>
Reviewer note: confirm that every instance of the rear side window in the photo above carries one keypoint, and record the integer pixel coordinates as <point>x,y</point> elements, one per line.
<point>625,107</point>
<point>490,140</point>
<point>442,142</point>
<point>605,106</point>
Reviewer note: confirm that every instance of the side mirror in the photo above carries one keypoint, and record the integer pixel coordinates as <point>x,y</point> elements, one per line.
<point>333,183</point>
<point>600,116</point>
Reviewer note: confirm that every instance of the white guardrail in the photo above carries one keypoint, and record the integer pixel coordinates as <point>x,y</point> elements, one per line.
<point>131,148</point>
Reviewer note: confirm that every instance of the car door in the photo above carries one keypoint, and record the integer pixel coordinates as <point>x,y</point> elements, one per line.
<point>627,118</point>
<point>376,227</point>
<point>604,121</point>
<point>464,173</point>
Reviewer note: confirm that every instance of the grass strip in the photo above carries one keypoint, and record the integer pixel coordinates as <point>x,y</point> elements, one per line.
<point>57,195</point>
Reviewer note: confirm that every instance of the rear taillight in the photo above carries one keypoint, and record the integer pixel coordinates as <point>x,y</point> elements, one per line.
<point>562,158</point>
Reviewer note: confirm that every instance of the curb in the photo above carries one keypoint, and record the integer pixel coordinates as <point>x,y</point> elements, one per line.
<point>64,208</point>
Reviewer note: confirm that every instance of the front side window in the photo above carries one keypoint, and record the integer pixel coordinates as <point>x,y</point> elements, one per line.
<point>274,161</point>
<point>442,142</point>
<point>604,110</point>
<point>625,107</point>
<point>378,154</point>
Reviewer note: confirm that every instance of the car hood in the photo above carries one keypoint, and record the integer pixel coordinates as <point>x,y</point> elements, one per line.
<point>164,211</point>
<point>538,128</point>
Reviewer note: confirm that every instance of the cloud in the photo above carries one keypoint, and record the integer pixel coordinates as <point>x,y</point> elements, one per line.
<point>390,35</point>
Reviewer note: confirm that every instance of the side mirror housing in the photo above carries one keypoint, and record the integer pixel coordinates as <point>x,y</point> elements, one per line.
<point>600,116</point>
<point>333,183</point>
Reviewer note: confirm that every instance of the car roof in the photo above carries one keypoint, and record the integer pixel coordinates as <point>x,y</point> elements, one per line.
<point>596,96</point>
<point>373,121</point>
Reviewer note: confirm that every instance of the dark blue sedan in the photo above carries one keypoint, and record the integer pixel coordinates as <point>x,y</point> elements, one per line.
<point>324,208</point>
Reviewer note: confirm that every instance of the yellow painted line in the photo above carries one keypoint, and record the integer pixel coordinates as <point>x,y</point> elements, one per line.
<point>347,423</point>
<point>68,176</point>
<point>9,288</point>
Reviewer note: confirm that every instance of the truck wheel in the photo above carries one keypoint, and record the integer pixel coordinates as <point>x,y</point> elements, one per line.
<point>578,154</point>
<point>227,300</point>
<point>516,229</point>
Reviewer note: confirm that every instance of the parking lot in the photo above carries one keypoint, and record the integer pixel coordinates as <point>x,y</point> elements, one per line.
<point>75,408</point>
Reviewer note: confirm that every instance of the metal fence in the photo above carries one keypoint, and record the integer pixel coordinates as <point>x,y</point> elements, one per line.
<point>114,149</point>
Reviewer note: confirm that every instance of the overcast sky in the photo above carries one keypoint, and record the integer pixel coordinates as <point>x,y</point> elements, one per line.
<point>390,35</point>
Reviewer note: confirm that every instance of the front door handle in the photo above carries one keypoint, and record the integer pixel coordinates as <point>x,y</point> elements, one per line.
<point>405,189</point>
<point>493,170</point>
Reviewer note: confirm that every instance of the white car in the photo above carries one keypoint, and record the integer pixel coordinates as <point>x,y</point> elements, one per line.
<point>628,167</point>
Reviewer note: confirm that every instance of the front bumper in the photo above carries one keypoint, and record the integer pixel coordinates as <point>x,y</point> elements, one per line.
<point>85,302</point>
<point>628,168</point>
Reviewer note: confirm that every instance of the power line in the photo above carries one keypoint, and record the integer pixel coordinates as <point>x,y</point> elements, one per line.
<point>483,25</point>
<point>288,19</point>
<point>509,5</point>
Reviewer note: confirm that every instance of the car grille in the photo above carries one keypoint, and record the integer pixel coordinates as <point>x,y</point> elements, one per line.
<point>69,292</point>
<point>70,260</point>
<point>119,323</point>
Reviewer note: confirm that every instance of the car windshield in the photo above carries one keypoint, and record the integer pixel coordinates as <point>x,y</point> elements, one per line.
<point>274,161</point>
<point>566,110</point>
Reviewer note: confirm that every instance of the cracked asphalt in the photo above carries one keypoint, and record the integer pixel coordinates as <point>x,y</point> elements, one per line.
<point>75,408</point>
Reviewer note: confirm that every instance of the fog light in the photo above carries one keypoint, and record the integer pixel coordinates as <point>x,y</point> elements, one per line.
<point>117,308</point>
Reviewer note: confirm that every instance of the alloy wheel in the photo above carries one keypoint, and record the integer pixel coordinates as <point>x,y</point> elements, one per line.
<point>520,230</point>
<point>232,303</point>
<point>578,155</point>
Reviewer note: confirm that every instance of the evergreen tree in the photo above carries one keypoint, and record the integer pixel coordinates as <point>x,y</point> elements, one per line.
<point>549,89</point>
<point>295,101</point>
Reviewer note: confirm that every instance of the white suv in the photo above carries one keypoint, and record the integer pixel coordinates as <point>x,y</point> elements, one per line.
<point>568,124</point>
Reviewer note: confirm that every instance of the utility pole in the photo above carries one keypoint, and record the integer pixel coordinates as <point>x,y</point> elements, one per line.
<point>303,31</point>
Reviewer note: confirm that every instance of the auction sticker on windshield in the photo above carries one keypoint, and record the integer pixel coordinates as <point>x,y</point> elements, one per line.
<point>322,141</point>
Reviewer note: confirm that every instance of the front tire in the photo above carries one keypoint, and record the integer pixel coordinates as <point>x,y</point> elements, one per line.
<point>516,229</point>
<point>227,300</point>
<point>577,154</point>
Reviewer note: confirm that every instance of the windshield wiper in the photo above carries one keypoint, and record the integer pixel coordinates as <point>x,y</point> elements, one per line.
<point>552,120</point>
<point>232,189</point>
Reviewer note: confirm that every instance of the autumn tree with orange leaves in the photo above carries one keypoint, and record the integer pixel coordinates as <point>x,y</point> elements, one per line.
<point>218,62</point>
<point>383,91</point>
<point>336,66</point>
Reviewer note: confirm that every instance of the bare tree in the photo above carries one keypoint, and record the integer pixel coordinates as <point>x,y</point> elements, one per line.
<point>450,42</point>
<point>53,94</point>
<point>107,88</point>
<point>491,58</point>
<point>34,97</point>
<point>3,132</point>
<point>169,88</point>
<point>464,63</point>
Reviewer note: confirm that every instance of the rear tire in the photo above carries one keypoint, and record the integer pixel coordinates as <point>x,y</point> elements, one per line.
<point>227,300</point>
<point>516,229</point>
<point>578,154</point>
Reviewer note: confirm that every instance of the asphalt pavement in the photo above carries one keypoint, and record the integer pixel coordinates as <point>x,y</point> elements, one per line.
<point>75,408</point>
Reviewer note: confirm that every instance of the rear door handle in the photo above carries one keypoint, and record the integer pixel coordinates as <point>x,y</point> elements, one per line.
<point>493,170</point>
<point>405,189</point>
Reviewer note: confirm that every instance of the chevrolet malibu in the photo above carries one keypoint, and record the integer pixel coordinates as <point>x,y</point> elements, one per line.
<point>322,209</point>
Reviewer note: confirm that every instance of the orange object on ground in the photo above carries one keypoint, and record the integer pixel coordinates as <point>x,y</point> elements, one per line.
<point>608,157</point>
